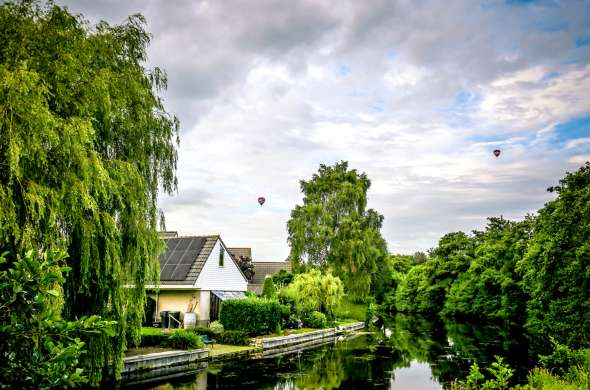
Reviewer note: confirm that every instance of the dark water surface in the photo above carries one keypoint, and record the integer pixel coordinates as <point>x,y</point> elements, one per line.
<point>408,353</point>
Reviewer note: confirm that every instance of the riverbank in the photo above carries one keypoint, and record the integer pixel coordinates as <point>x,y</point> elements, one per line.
<point>162,365</point>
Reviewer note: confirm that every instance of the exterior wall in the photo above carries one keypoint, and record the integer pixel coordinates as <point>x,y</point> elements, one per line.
<point>226,278</point>
<point>204,305</point>
<point>176,301</point>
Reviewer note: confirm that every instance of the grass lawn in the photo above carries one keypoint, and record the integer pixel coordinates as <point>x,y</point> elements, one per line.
<point>350,310</point>
<point>145,350</point>
<point>220,349</point>
<point>287,332</point>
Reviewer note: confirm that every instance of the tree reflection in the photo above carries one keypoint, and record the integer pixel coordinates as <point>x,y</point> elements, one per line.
<point>371,360</point>
<point>449,348</point>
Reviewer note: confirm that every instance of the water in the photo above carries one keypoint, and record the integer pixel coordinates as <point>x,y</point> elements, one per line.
<point>408,353</point>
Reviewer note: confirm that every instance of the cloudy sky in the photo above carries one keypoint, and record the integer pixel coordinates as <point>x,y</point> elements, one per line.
<point>417,94</point>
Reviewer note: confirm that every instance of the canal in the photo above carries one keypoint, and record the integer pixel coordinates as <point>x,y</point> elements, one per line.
<point>408,352</point>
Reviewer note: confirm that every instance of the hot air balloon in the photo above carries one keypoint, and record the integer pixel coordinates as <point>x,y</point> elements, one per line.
<point>261,200</point>
<point>497,152</point>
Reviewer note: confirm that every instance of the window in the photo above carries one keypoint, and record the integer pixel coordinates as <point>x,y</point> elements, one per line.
<point>221,254</point>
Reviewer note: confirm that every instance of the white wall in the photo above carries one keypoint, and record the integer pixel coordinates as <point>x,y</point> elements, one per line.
<point>226,278</point>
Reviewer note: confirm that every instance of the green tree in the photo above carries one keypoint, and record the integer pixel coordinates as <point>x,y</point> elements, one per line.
<point>491,288</point>
<point>556,267</point>
<point>335,230</point>
<point>313,290</point>
<point>39,349</point>
<point>85,147</point>
<point>268,289</point>
<point>425,287</point>
<point>390,273</point>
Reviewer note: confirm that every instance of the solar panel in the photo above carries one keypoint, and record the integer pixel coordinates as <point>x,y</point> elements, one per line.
<point>181,252</point>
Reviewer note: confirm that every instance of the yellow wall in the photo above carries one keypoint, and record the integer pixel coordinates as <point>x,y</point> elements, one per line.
<point>176,301</point>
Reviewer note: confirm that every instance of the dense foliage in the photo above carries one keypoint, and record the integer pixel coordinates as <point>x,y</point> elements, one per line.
<point>39,349</point>
<point>282,278</point>
<point>534,272</point>
<point>183,339</point>
<point>425,287</point>
<point>556,267</point>
<point>314,291</point>
<point>216,327</point>
<point>491,287</point>
<point>85,148</point>
<point>254,316</point>
<point>234,337</point>
<point>268,288</point>
<point>245,264</point>
<point>153,337</point>
<point>315,319</point>
<point>334,230</point>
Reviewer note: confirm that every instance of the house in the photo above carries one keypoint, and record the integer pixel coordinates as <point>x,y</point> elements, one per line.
<point>196,274</point>
<point>264,269</point>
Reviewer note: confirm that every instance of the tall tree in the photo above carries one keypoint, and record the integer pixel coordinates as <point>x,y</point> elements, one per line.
<point>334,229</point>
<point>424,288</point>
<point>556,267</point>
<point>85,147</point>
<point>491,288</point>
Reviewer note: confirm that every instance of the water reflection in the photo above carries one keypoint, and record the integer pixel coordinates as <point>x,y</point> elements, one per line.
<point>408,352</point>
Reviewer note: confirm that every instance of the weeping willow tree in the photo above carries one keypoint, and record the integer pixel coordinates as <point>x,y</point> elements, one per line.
<point>85,147</point>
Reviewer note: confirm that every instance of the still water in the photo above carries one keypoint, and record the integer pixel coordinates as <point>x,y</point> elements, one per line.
<point>406,353</point>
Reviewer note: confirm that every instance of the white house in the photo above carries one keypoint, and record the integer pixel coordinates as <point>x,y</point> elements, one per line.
<point>196,274</point>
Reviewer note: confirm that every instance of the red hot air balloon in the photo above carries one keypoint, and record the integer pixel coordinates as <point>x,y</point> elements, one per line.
<point>261,200</point>
<point>497,152</point>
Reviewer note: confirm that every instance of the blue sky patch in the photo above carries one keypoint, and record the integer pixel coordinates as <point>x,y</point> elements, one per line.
<point>343,70</point>
<point>572,129</point>
<point>583,41</point>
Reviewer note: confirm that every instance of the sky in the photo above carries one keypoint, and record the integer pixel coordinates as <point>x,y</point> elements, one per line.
<point>415,93</point>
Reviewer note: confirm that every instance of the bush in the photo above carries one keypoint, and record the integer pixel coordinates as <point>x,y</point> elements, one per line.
<point>563,359</point>
<point>216,327</point>
<point>183,339</point>
<point>153,337</point>
<point>268,290</point>
<point>234,337</point>
<point>203,331</point>
<point>252,315</point>
<point>315,319</point>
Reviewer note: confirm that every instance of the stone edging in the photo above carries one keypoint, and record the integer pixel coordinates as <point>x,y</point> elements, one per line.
<point>268,346</point>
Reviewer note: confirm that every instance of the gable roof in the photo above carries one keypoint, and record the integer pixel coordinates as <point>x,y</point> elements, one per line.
<point>184,258</point>
<point>237,252</point>
<point>264,268</point>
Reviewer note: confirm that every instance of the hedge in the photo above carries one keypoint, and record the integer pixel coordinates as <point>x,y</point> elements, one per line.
<point>234,337</point>
<point>152,337</point>
<point>254,316</point>
<point>183,339</point>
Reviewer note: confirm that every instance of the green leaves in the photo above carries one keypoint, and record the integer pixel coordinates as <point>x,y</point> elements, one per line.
<point>42,350</point>
<point>334,230</point>
<point>85,147</point>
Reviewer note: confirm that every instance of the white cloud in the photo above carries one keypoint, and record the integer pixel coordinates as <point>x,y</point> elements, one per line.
<point>415,94</point>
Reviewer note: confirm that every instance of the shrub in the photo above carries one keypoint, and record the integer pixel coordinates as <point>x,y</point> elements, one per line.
<point>268,290</point>
<point>184,339</point>
<point>315,319</point>
<point>153,337</point>
<point>216,327</point>
<point>253,315</point>
<point>234,337</point>
<point>314,291</point>
<point>563,359</point>
<point>203,331</point>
